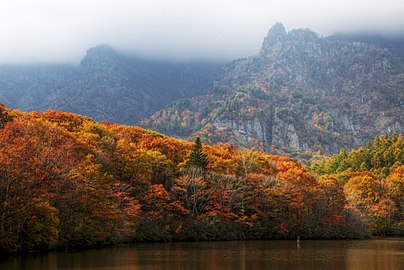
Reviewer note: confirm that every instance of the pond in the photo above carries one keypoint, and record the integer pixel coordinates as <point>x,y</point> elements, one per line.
<point>323,254</point>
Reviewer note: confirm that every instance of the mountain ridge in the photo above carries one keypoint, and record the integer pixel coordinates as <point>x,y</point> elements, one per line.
<point>106,85</point>
<point>301,91</point>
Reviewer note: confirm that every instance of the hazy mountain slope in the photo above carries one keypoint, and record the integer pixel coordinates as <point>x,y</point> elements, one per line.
<point>300,91</point>
<point>27,86</point>
<point>106,85</point>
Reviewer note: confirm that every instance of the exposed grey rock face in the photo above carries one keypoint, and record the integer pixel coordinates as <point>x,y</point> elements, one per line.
<point>301,91</point>
<point>276,35</point>
<point>106,85</point>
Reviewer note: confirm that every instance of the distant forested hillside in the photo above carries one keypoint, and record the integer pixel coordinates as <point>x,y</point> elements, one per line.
<point>106,85</point>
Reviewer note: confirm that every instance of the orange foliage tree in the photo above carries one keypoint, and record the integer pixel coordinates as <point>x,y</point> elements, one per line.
<point>66,180</point>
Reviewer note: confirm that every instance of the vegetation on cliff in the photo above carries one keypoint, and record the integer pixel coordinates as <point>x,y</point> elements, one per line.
<point>302,92</point>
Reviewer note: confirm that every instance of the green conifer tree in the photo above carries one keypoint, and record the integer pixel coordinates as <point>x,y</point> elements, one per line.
<point>197,159</point>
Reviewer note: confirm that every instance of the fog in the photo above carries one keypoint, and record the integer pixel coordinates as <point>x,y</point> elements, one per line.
<point>44,31</point>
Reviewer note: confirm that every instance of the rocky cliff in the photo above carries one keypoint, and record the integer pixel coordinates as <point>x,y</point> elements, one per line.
<point>301,92</point>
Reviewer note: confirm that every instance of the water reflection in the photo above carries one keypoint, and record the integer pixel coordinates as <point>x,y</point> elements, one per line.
<point>276,255</point>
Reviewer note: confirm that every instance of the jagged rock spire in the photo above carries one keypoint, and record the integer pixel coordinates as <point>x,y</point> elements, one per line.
<point>276,34</point>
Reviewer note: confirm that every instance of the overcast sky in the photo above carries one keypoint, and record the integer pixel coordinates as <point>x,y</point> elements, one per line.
<point>62,30</point>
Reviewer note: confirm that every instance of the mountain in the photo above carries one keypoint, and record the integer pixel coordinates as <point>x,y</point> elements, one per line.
<point>301,92</point>
<point>107,85</point>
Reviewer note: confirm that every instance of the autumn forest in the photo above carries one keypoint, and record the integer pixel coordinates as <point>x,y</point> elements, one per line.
<point>67,181</point>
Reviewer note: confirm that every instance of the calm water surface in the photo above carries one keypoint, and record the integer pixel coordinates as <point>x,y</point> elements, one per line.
<point>375,254</point>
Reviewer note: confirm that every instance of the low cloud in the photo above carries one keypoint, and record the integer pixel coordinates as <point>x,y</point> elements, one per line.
<point>62,31</point>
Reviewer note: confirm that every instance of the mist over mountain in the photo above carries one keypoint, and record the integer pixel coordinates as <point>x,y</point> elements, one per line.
<point>45,31</point>
<point>301,92</point>
<point>106,85</point>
